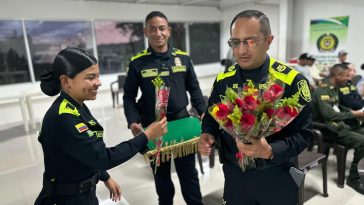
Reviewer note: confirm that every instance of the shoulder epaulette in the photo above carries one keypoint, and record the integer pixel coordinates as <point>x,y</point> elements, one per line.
<point>282,72</point>
<point>67,107</point>
<point>227,73</point>
<point>141,54</point>
<point>178,52</point>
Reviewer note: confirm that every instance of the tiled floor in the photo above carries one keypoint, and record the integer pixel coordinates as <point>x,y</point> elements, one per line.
<point>21,168</point>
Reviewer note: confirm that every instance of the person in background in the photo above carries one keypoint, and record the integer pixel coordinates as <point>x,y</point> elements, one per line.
<point>303,68</point>
<point>175,68</point>
<point>75,155</point>
<point>326,109</point>
<point>360,84</point>
<point>268,181</point>
<point>342,56</point>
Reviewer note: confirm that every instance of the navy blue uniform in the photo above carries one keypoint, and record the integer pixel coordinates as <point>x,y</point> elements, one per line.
<point>269,182</point>
<point>74,151</point>
<point>349,97</point>
<point>177,71</point>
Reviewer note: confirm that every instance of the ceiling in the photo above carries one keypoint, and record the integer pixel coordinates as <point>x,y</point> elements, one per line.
<point>209,3</point>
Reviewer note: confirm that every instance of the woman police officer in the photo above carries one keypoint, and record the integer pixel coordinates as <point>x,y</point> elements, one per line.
<point>75,156</point>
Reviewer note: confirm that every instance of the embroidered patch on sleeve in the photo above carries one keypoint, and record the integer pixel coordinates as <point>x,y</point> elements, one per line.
<point>81,127</point>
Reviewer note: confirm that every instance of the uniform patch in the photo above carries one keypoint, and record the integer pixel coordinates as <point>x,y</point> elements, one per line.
<point>325,97</point>
<point>149,72</point>
<point>90,133</point>
<point>345,90</point>
<point>281,68</point>
<point>352,87</point>
<point>235,85</point>
<point>177,69</point>
<point>304,90</point>
<point>81,127</point>
<point>164,73</point>
<point>262,86</point>
<point>92,123</point>
<point>177,61</point>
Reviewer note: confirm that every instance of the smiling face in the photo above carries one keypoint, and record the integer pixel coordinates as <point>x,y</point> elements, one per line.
<point>158,31</point>
<point>249,55</point>
<point>84,85</point>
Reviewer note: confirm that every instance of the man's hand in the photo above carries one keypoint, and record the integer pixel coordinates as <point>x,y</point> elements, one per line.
<point>358,113</point>
<point>114,188</point>
<point>259,148</point>
<point>204,144</point>
<point>136,128</point>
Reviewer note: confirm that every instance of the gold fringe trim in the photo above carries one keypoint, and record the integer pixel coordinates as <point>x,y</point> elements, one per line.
<point>174,150</point>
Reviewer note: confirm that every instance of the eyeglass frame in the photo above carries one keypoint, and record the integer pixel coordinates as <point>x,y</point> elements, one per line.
<point>246,42</point>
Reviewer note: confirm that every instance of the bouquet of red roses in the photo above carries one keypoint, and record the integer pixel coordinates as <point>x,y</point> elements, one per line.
<point>161,103</point>
<point>252,112</point>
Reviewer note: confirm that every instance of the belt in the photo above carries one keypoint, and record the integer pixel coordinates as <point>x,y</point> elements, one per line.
<point>84,186</point>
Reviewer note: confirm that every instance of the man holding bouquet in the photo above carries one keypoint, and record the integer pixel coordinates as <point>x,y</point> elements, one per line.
<point>267,180</point>
<point>160,62</point>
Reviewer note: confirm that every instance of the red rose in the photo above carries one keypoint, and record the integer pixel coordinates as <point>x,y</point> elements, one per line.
<point>247,121</point>
<point>223,111</point>
<point>250,103</point>
<point>292,111</point>
<point>228,123</point>
<point>239,102</point>
<point>269,111</point>
<point>273,93</point>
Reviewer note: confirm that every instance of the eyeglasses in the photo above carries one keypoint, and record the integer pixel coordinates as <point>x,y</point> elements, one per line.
<point>234,43</point>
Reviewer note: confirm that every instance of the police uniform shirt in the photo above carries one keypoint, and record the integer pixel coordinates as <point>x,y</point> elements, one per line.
<point>73,146</point>
<point>176,69</point>
<point>325,103</point>
<point>287,143</point>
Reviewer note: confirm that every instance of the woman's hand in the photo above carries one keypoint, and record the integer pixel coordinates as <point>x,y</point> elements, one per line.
<point>114,188</point>
<point>156,129</point>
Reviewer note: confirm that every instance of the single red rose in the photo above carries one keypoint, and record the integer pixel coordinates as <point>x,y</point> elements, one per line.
<point>239,102</point>
<point>228,123</point>
<point>239,155</point>
<point>292,111</point>
<point>273,93</point>
<point>250,103</point>
<point>247,121</point>
<point>223,111</point>
<point>269,111</point>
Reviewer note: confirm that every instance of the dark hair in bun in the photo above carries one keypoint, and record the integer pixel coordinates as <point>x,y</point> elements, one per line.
<point>70,62</point>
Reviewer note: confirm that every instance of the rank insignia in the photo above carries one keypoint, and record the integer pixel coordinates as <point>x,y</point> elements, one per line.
<point>81,127</point>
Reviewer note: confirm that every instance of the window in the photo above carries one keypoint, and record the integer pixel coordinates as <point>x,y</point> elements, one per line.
<point>116,43</point>
<point>13,62</point>
<point>204,42</point>
<point>47,38</point>
<point>178,36</point>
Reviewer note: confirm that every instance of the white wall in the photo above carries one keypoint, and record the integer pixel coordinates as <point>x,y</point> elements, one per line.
<point>272,12</point>
<point>306,10</point>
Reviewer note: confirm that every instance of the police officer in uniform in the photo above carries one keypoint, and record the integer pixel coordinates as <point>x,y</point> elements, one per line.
<point>75,156</point>
<point>176,70</point>
<point>326,108</point>
<point>268,181</point>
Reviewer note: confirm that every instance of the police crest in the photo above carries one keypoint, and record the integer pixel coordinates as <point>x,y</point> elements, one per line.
<point>304,90</point>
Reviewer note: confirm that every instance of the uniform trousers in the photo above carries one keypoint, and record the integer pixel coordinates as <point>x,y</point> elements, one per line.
<point>188,177</point>
<point>353,139</point>
<point>269,186</point>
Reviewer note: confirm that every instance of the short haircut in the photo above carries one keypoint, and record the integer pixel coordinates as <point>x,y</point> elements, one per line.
<point>338,68</point>
<point>263,20</point>
<point>155,14</point>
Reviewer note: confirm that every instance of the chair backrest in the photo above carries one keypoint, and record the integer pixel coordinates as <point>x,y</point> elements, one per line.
<point>121,81</point>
